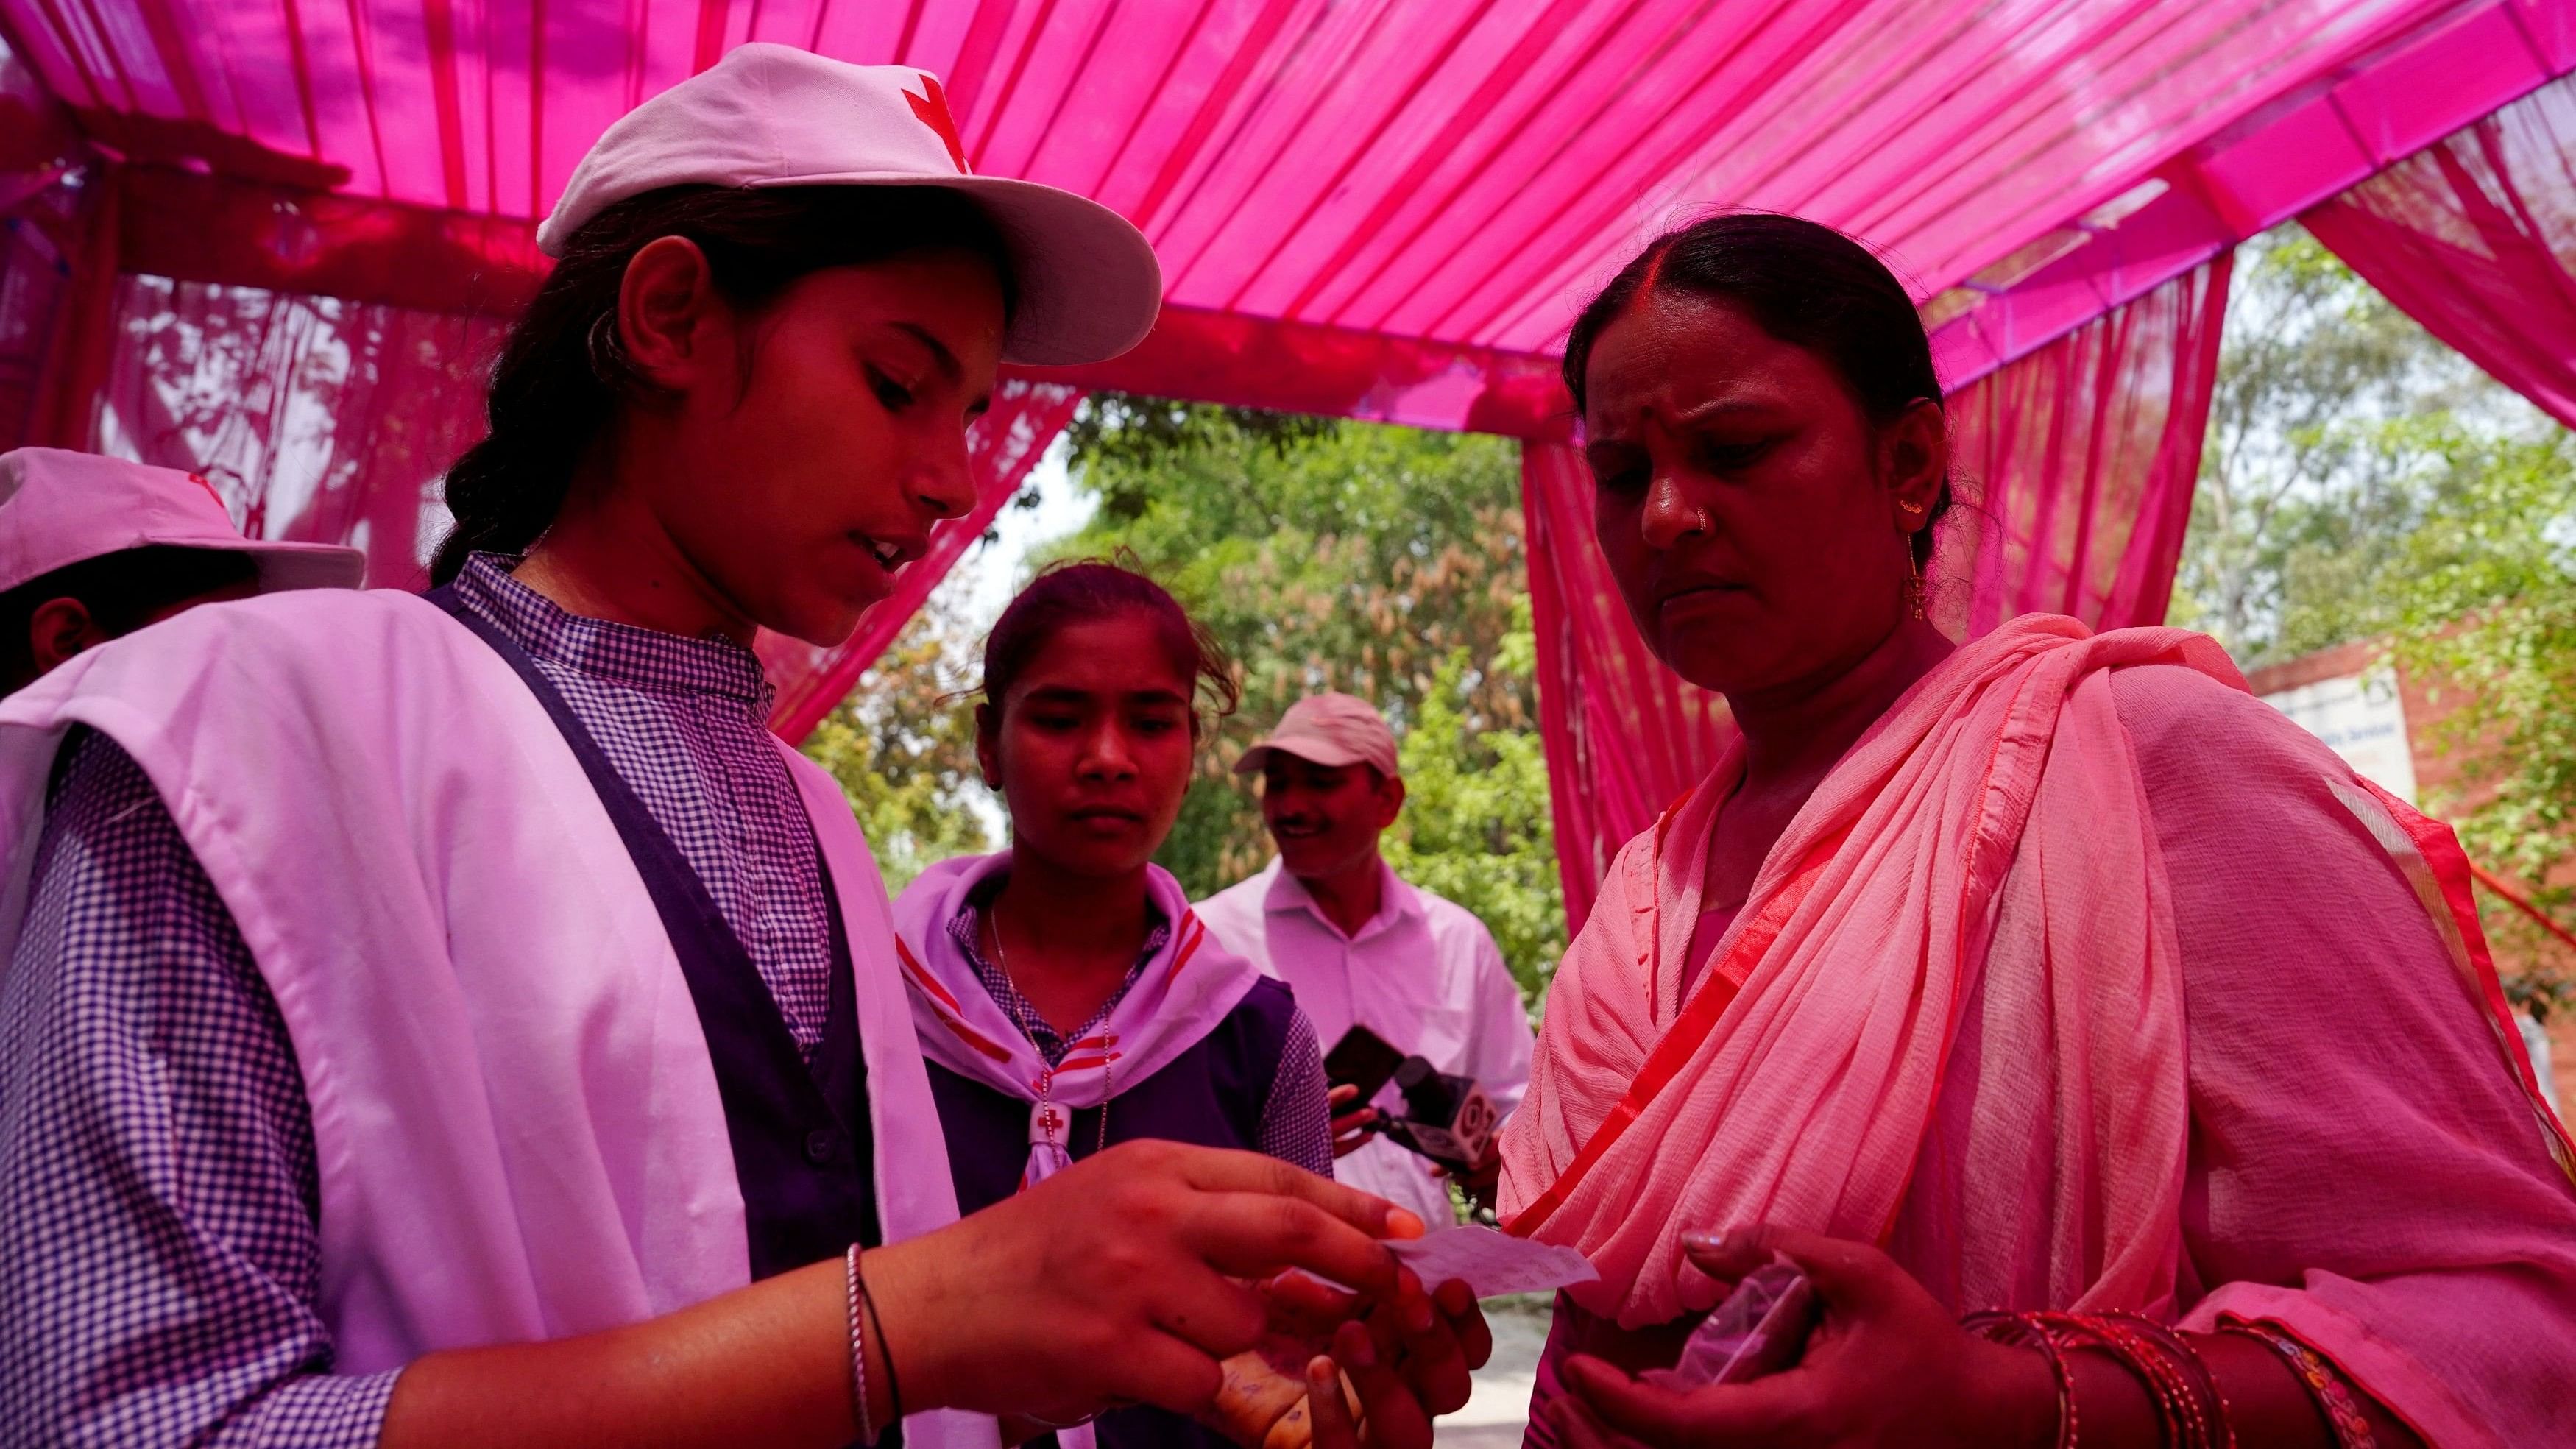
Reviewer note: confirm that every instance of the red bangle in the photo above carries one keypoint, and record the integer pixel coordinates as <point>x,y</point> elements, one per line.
<point>2343,1416</point>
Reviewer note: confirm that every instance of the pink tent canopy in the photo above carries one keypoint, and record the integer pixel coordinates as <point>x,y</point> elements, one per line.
<point>274,238</point>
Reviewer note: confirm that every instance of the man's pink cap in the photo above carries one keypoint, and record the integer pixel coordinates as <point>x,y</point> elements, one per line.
<point>59,508</point>
<point>772,115</point>
<point>1331,730</point>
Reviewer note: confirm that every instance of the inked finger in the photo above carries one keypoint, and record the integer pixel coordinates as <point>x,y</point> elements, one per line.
<point>1327,1412</point>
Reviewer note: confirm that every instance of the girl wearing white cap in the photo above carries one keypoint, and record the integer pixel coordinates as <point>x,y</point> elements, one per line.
<point>456,1021</point>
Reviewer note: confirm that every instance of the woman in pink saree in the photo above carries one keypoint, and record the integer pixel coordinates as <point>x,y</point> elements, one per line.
<point>2051,974</point>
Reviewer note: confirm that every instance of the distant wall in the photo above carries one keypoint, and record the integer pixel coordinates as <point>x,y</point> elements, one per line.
<point>2384,723</point>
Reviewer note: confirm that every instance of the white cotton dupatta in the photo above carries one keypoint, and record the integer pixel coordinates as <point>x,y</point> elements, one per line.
<point>1184,991</point>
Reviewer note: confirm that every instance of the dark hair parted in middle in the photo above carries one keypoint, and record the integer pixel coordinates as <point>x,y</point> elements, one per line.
<point>1081,591</point>
<point>1803,283</point>
<point>562,375</point>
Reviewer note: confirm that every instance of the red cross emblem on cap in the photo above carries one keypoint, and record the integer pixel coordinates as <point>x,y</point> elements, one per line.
<point>932,108</point>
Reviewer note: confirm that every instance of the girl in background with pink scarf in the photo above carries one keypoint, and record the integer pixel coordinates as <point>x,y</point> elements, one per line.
<point>2051,978</point>
<point>1065,995</point>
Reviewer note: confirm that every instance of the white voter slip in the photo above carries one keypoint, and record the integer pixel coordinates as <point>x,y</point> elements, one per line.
<point>1492,1263</point>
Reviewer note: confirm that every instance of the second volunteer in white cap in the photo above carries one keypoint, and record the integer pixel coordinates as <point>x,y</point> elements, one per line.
<point>1361,946</point>
<point>94,548</point>
<point>528,1059</point>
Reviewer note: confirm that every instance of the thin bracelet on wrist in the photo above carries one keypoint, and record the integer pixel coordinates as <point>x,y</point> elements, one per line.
<point>858,1346</point>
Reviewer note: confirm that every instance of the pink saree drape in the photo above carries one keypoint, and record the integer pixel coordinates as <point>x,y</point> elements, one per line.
<point>2084,980</point>
<point>1807,1058</point>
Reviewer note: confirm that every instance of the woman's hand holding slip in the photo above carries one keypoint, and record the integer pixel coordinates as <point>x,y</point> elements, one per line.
<point>1888,1365</point>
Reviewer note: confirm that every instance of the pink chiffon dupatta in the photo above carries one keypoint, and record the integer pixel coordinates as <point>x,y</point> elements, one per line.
<point>1796,1082</point>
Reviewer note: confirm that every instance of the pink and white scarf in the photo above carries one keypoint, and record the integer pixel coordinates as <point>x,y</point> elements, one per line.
<point>1185,990</point>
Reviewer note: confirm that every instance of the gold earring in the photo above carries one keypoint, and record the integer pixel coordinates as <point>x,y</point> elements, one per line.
<point>1914,587</point>
<point>1914,508</point>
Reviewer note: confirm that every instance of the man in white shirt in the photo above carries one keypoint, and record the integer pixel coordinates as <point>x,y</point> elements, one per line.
<point>1361,947</point>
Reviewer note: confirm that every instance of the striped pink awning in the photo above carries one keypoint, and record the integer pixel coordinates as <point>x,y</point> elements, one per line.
<point>1415,192</point>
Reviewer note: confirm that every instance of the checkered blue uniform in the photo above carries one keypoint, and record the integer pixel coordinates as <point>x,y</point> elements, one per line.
<point>159,1255</point>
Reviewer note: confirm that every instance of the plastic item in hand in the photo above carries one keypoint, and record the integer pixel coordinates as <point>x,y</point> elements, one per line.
<point>1761,1328</point>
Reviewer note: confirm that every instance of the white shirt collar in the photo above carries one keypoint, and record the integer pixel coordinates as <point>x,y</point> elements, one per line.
<point>1396,899</point>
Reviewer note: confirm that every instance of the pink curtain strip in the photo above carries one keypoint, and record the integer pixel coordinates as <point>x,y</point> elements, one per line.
<point>2074,468</point>
<point>1458,176</point>
<point>2278,160</point>
<point>2475,237</point>
<point>1003,446</point>
<point>317,418</point>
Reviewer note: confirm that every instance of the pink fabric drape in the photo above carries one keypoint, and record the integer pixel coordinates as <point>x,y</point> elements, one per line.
<point>2076,466</point>
<point>317,418</point>
<point>2475,237</point>
<point>328,420</point>
<point>2075,469</point>
<point>39,235</point>
<point>1002,447</point>
<point>1447,173</point>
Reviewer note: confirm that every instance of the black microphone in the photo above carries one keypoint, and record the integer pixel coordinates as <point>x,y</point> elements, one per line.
<point>1448,1119</point>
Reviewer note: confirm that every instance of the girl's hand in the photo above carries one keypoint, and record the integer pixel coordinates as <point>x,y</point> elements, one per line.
<point>1124,1277</point>
<point>1887,1365</point>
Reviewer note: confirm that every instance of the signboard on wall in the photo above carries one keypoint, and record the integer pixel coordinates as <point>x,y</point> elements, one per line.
<point>2361,718</point>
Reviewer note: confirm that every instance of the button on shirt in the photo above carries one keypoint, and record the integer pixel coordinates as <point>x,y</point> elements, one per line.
<point>1424,974</point>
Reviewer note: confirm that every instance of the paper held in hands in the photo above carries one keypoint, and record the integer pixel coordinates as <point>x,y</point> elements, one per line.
<point>1492,1263</point>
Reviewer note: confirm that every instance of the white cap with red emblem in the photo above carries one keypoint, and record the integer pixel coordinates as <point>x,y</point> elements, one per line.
<point>60,508</point>
<point>772,115</point>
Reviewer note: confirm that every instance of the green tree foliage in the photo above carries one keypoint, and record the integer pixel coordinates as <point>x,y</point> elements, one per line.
<point>2330,415</point>
<point>2485,609</point>
<point>2362,481</point>
<point>1476,825</point>
<point>903,747</point>
<point>1383,561</point>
